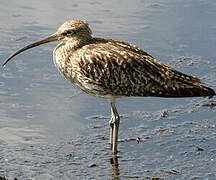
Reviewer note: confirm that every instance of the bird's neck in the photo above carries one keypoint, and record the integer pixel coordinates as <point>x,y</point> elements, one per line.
<point>75,43</point>
<point>65,50</point>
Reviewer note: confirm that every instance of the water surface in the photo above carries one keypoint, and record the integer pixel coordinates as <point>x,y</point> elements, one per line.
<point>51,130</point>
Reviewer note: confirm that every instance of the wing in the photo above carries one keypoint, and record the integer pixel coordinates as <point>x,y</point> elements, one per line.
<point>115,68</point>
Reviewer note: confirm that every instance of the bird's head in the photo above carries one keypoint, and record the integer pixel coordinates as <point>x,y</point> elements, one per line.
<point>73,30</point>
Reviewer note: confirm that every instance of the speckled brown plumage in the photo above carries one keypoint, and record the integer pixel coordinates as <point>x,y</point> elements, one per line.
<point>106,67</point>
<point>113,69</point>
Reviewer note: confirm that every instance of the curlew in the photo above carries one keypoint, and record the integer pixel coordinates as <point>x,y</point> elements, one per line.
<point>114,69</point>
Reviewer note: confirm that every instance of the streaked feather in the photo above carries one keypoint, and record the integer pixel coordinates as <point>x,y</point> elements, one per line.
<point>106,67</point>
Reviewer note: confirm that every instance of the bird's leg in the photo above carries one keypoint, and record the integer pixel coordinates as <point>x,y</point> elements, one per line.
<point>115,166</point>
<point>111,129</point>
<point>115,120</point>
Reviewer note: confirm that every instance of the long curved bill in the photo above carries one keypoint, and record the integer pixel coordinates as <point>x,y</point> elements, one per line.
<point>51,38</point>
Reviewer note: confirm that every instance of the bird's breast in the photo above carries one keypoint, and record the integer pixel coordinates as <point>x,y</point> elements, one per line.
<point>63,58</point>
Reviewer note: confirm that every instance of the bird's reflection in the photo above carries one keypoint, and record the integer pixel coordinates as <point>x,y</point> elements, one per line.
<point>115,167</point>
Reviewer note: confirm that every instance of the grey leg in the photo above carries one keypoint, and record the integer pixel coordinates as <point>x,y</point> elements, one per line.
<point>115,120</point>
<point>111,130</point>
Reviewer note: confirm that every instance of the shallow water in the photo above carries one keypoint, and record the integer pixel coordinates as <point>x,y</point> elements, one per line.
<point>51,130</point>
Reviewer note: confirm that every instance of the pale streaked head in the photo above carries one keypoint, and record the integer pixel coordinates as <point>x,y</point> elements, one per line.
<point>74,29</point>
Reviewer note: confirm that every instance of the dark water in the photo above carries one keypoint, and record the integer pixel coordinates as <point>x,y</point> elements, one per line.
<point>51,130</point>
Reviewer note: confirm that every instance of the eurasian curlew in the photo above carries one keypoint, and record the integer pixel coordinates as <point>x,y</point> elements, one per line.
<point>114,69</point>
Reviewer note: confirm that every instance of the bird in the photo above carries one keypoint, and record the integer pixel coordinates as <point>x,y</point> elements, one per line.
<point>114,69</point>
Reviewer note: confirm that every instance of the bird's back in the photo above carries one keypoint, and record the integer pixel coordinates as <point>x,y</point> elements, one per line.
<point>106,67</point>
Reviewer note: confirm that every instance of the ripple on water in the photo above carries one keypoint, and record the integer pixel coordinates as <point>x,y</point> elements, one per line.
<point>15,135</point>
<point>7,75</point>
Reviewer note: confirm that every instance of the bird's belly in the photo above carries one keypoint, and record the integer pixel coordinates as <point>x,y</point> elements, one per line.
<point>94,89</point>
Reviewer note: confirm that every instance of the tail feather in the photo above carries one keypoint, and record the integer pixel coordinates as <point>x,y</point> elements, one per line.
<point>193,91</point>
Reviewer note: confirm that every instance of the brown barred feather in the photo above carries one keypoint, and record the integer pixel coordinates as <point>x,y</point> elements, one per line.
<point>106,67</point>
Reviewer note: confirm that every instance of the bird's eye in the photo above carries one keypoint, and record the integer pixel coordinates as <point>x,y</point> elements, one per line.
<point>68,32</point>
